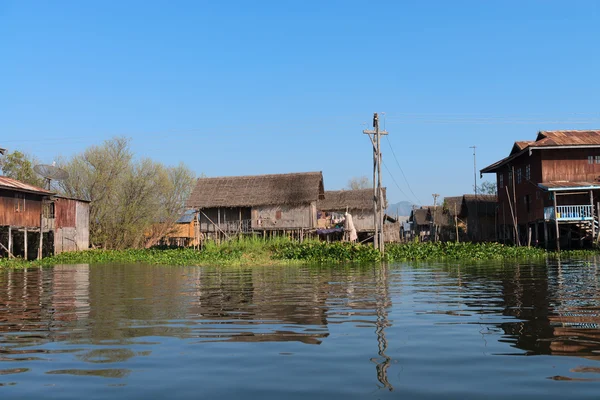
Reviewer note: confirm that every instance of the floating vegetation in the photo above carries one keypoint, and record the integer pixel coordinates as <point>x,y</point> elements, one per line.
<point>256,251</point>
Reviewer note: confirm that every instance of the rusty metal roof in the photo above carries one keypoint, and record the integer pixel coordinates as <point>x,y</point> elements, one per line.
<point>13,184</point>
<point>550,139</point>
<point>567,138</point>
<point>568,185</point>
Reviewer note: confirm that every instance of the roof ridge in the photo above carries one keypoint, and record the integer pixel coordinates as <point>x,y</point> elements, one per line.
<point>262,175</point>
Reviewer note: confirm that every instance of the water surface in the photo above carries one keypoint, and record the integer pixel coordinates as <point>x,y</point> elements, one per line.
<point>413,331</point>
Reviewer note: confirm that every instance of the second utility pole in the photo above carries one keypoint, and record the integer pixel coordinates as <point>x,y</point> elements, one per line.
<point>378,212</point>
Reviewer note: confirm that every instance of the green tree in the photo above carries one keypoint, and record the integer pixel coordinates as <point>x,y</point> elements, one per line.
<point>487,187</point>
<point>19,166</point>
<point>133,203</point>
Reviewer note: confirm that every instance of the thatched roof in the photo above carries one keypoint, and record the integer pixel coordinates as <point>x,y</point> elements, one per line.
<point>338,200</point>
<point>453,205</point>
<point>484,204</point>
<point>257,190</point>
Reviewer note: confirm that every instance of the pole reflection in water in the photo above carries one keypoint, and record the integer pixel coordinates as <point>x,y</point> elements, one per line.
<point>382,303</point>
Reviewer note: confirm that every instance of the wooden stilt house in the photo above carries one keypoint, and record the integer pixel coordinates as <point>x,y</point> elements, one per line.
<point>26,211</point>
<point>259,203</point>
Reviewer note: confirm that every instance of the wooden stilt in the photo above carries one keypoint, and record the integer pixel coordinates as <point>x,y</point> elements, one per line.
<point>528,235</point>
<point>10,242</point>
<point>556,223</point>
<point>546,234</point>
<point>25,252</point>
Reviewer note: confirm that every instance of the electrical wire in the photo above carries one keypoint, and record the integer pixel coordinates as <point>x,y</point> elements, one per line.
<point>401,170</point>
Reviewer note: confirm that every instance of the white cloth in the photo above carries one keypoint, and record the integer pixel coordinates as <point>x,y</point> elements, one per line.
<point>349,228</point>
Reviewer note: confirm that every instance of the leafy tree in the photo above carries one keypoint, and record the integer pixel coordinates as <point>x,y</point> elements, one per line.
<point>361,182</point>
<point>487,187</point>
<point>133,202</point>
<point>19,166</point>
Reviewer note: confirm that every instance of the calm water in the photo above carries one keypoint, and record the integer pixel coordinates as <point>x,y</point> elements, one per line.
<point>427,331</point>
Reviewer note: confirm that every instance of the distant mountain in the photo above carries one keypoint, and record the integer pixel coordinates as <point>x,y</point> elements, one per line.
<point>401,208</point>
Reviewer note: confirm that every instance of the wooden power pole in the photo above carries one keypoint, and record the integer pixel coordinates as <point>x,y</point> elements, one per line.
<point>378,213</point>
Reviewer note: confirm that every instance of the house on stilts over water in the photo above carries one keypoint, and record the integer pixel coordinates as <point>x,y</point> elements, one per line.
<point>27,210</point>
<point>549,189</point>
<point>358,203</point>
<point>265,204</point>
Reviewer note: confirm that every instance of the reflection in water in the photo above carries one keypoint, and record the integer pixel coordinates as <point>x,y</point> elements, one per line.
<point>224,325</point>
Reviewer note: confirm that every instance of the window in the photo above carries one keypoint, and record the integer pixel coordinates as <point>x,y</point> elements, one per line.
<point>500,181</point>
<point>510,178</point>
<point>278,214</point>
<point>19,202</point>
<point>590,159</point>
<point>597,159</point>
<point>518,175</point>
<point>528,172</point>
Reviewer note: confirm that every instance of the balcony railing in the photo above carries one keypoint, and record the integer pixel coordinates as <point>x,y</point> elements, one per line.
<point>569,213</point>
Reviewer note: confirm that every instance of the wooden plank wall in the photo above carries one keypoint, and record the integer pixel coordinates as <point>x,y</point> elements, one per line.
<point>82,224</point>
<point>65,213</point>
<point>29,217</point>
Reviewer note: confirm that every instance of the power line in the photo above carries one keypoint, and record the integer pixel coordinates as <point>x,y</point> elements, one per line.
<point>401,170</point>
<point>394,179</point>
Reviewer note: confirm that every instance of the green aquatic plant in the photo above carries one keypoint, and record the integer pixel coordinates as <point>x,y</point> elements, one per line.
<point>258,251</point>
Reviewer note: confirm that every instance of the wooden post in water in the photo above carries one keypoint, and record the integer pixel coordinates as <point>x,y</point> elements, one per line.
<point>546,234</point>
<point>10,244</point>
<point>556,222</point>
<point>25,243</point>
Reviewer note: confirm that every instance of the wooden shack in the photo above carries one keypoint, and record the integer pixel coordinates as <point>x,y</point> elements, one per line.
<point>27,210</point>
<point>359,203</point>
<point>185,231</point>
<point>258,203</point>
<point>21,215</point>
<point>71,224</point>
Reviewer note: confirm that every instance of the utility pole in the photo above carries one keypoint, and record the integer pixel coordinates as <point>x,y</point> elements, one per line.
<point>474,170</point>
<point>377,188</point>
<point>475,233</point>
<point>435,196</point>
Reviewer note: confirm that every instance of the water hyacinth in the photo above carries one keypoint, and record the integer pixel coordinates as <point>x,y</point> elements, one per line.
<point>257,251</point>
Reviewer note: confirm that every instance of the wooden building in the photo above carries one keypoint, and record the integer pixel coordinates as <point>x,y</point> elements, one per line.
<point>27,210</point>
<point>479,212</point>
<point>359,203</point>
<point>259,203</point>
<point>185,233</point>
<point>548,189</point>
<point>71,228</point>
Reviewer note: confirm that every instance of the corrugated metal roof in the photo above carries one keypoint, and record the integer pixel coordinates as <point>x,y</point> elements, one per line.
<point>549,139</point>
<point>568,185</point>
<point>567,138</point>
<point>187,217</point>
<point>13,184</point>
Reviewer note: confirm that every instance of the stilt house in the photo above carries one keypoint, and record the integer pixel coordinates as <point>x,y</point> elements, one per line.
<point>27,210</point>
<point>549,188</point>
<point>262,203</point>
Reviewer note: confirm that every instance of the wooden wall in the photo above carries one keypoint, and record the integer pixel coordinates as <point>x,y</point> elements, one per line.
<point>29,217</point>
<point>72,233</point>
<point>284,217</point>
<point>569,165</point>
<point>65,213</point>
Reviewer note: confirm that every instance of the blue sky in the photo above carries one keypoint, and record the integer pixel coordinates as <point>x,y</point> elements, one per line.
<point>253,87</point>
